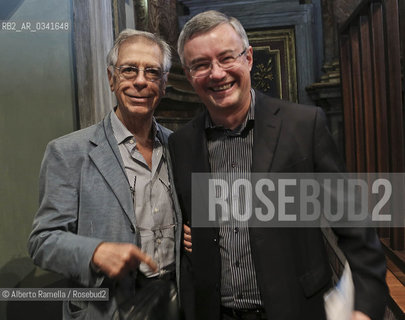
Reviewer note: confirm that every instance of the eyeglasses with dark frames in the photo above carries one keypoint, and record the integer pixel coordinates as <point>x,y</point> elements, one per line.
<point>131,72</point>
<point>203,68</point>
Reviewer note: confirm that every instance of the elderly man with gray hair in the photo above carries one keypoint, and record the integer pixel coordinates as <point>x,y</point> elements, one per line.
<point>108,213</point>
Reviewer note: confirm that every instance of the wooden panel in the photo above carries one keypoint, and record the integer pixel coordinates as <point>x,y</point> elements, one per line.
<point>395,104</point>
<point>395,90</point>
<point>397,291</point>
<point>380,93</point>
<point>358,99</point>
<point>368,101</point>
<point>371,60</point>
<point>348,113</point>
<point>379,86</point>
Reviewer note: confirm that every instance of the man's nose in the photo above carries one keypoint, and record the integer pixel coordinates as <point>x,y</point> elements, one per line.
<point>140,79</point>
<point>217,72</point>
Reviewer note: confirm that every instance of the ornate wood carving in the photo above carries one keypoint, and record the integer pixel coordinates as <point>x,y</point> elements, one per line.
<point>274,63</point>
<point>158,16</point>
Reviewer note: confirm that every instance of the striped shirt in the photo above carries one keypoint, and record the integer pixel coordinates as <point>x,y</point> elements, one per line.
<point>230,156</point>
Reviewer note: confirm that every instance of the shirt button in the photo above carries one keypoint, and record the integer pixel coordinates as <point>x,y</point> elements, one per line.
<point>156,210</point>
<point>131,141</point>
<point>236,229</point>
<point>215,240</point>
<point>233,164</point>
<point>237,264</point>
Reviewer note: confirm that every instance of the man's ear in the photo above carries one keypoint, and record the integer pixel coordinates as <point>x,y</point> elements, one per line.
<point>249,57</point>
<point>110,78</point>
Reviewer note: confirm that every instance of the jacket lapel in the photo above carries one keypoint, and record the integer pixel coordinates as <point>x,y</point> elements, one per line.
<point>266,133</point>
<point>106,157</point>
<point>201,164</point>
<point>199,147</point>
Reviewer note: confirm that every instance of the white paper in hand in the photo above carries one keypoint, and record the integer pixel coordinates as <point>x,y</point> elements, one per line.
<point>339,302</point>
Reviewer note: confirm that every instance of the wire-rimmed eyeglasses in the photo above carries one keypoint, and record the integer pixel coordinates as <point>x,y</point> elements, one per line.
<point>131,72</point>
<point>203,68</point>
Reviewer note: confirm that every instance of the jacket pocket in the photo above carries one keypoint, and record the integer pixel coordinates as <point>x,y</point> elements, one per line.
<point>317,279</point>
<point>299,165</point>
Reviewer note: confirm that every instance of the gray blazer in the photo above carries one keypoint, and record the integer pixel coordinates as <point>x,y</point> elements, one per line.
<point>85,199</point>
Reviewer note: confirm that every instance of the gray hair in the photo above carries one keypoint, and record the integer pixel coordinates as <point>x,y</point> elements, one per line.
<point>127,34</point>
<point>204,22</point>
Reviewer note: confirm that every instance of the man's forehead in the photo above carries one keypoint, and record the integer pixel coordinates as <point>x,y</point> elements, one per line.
<point>145,48</point>
<point>222,39</point>
<point>138,41</point>
<point>222,26</point>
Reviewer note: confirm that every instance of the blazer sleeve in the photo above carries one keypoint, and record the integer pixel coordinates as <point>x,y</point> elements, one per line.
<point>54,243</point>
<point>361,246</point>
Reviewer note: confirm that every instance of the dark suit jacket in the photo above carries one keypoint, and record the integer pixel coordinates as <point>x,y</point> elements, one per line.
<point>291,265</point>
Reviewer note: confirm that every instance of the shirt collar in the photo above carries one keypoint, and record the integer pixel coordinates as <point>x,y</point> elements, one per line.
<point>121,133</point>
<point>245,127</point>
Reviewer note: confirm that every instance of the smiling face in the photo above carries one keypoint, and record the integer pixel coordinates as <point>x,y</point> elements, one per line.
<point>137,97</point>
<point>223,92</point>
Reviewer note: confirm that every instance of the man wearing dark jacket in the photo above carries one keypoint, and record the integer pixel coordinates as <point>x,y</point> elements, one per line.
<point>258,273</point>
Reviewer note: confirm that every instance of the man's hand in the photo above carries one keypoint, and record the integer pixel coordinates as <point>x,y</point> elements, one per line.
<point>358,315</point>
<point>116,260</point>
<point>187,238</point>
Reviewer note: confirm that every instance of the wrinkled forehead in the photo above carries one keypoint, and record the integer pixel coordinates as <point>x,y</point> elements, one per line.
<point>140,48</point>
<point>139,40</point>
